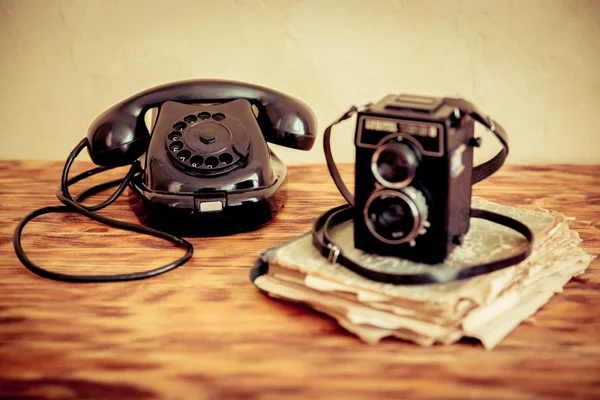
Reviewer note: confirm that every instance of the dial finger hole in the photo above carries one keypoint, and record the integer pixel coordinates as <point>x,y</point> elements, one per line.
<point>176,146</point>
<point>211,162</point>
<point>179,126</point>
<point>175,135</point>
<point>196,161</point>
<point>219,117</point>
<point>225,158</point>
<point>190,119</point>
<point>183,155</point>
<point>204,115</point>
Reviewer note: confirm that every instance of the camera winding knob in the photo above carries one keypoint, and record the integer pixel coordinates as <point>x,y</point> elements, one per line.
<point>397,216</point>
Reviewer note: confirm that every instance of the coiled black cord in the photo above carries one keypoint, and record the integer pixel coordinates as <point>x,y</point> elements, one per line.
<point>73,205</point>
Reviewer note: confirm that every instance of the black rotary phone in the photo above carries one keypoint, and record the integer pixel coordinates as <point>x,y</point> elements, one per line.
<point>207,169</point>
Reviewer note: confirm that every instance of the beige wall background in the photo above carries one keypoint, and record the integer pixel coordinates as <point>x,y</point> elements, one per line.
<point>532,64</point>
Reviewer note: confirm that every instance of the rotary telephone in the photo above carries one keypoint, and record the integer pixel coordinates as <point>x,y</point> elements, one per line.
<point>205,170</point>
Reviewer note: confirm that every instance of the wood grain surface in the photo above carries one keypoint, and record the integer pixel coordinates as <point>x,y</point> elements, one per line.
<point>204,331</point>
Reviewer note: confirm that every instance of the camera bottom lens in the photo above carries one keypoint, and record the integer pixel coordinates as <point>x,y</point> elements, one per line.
<point>392,216</point>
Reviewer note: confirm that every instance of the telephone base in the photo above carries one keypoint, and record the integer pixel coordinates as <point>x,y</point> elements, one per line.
<point>181,214</point>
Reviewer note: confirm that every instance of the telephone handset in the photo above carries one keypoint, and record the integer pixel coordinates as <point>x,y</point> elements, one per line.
<point>205,169</point>
<point>119,136</point>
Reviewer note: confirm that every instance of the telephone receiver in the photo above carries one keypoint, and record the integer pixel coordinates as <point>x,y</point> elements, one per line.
<point>119,136</point>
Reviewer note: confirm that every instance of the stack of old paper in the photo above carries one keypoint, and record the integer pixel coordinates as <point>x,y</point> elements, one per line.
<point>487,307</point>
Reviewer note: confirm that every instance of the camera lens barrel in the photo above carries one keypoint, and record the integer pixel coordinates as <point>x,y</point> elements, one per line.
<point>394,164</point>
<point>396,217</point>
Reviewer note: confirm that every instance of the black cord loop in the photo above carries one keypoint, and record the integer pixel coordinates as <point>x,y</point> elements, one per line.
<point>73,205</point>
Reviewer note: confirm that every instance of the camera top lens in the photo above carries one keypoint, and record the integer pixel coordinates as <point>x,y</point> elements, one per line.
<point>394,165</point>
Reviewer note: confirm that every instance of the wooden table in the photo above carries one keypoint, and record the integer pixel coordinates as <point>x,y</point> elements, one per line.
<point>204,331</point>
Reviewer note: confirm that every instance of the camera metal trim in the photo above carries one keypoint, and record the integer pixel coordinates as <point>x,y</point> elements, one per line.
<point>360,143</point>
<point>413,209</point>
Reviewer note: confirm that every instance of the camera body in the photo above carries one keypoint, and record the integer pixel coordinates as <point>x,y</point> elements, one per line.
<point>413,173</point>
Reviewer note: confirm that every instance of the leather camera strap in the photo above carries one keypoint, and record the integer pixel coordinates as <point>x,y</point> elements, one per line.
<point>322,240</point>
<point>324,243</point>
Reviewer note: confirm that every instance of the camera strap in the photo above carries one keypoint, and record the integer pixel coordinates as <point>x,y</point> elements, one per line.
<point>482,171</point>
<point>323,242</point>
<point>321,231</point>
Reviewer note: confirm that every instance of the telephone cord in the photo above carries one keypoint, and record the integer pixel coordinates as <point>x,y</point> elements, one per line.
<point>73,205</point>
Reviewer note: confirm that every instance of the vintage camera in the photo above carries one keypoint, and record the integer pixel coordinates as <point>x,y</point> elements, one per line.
<point>414,165</point>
